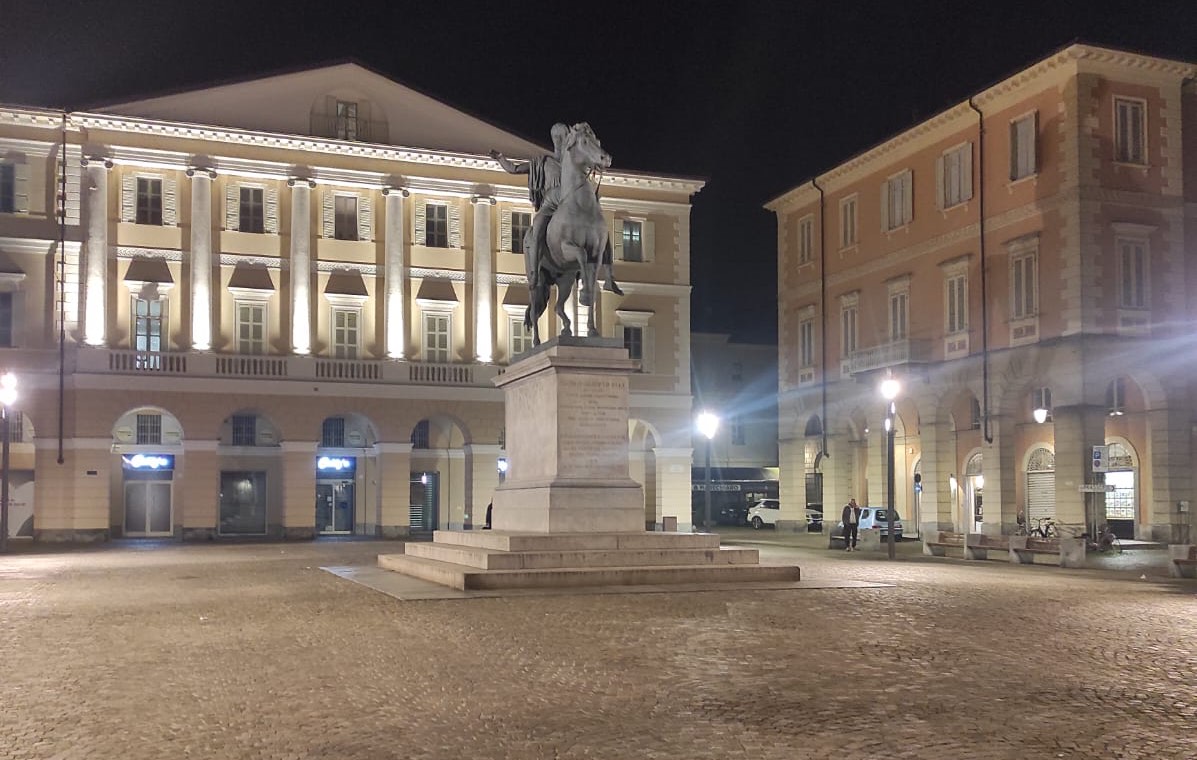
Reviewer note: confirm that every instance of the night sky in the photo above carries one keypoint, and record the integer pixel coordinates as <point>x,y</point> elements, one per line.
<point>755,97</point>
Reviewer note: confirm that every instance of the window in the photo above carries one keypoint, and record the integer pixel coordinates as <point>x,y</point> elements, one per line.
<point>898,316</point>
<point>16,426</point>
<point>253,217</point>
<point>521,222</point>
<point>897,207</point>
<point>956,176</point>
<point>849,331</point>
<point>436,225</point>
<point>346,120</point>
<point>1132,266</point>
<point>848,222</point>
<point>345,217</point>
<point>974,415</point>
<point>806,238</point>
<point>149,201</point>
<point>420,435</point>
<point>806,343</point>
<point>956,298</point>
<point>245,430</point>
<point>436,338</point>
<point>332,433</point>
<point>149,325</point>
<point>1023,286</point>
<point>1023,161</point>
<point>737,432</point>
<point>521,337</point>
<point>633,249</point>
<point>251,328</point>
<point>149,428</point>
<point>1130,131</point>
<point>1116,398</point>
<point>8,188</point>
<point>633,341</point>
<point>6,331</point>
<point>737,372</point>
<point>345,332</point>
<point>1041,398</point>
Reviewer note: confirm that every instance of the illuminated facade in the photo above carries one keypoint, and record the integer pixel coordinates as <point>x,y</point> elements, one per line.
<point>282,304</point>
<point>1030,248</point>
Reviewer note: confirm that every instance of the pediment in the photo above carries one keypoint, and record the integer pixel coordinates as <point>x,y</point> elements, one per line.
<point>306,103</point>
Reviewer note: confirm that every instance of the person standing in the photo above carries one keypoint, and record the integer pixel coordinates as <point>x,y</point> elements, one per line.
<point>851,520</point>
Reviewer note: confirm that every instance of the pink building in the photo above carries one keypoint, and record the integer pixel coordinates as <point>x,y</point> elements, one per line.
<point>1024,249</point>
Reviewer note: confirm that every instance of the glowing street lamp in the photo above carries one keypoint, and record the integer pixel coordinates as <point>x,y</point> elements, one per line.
<point>8,397</point>
<point>708,424</point>
<point>890,388</point>
<point>1040,415</point>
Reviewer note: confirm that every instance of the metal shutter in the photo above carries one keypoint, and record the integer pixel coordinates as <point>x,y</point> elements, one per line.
<point>1041,496</point>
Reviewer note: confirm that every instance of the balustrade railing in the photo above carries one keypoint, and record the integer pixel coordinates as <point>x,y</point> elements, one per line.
<point>889,355</point>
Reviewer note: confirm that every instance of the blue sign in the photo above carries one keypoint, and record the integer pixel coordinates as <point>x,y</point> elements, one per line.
<point>155,462</point>
<point>336,465</point>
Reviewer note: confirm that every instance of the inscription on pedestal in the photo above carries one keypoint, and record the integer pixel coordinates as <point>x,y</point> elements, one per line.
<point>592,426</point>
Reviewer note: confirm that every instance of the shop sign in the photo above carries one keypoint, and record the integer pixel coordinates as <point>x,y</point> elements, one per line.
<point>148,461</point>
<point>336,465</point>
<point>728,487</point>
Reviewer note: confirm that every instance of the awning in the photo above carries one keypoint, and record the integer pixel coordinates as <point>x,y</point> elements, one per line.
<point>436,293</point>
<point>143,270</point>
<point>250,277</point>
<point>517,295</point>
<point>347,282</point>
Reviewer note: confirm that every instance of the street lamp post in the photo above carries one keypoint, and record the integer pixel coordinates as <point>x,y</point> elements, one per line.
<point>708,425</point>
<point>889,390</point>
<point>8,397</point>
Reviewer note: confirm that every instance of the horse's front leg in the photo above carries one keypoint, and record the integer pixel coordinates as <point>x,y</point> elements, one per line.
<point>575,252</point>
<point>565,285</point>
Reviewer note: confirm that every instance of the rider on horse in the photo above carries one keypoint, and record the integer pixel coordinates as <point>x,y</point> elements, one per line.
<point>544,190</point>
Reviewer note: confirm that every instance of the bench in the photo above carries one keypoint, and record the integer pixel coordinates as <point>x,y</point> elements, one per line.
<point>981,544</point>
<point>1184,560</point>
<point>1069,552</point>
<point>943,541</point>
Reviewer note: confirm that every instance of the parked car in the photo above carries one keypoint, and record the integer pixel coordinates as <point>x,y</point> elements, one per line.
<point>870,518</point>
<point>766,511</point>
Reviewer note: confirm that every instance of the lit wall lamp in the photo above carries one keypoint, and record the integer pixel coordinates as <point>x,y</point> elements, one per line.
<point>952,482</point>
<point>1040,415</point>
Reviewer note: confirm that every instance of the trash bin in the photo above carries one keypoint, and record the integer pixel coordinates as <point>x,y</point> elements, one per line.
<point>669,524</point>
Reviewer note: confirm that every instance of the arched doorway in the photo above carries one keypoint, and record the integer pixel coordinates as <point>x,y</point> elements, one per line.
<point>974,487</point>
<point>439,499</point>
<point>342,461</point>
<point>642,467</point>
<point>250,463</point>
<point>149,444</point>
<point>1041,485</point>
<point>20,475</point>
<point>813,457</point>
<point>1122,503</point>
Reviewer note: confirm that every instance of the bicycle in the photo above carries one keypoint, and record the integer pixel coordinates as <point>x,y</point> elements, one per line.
<point>1106,542</point>
<point>1045,527</point>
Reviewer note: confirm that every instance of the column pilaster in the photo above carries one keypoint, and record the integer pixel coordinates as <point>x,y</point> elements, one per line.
<point>394,513</point>
<point>838,469</point>
<point>999,504</point>
<point>674,491</point>
<point>1077,430</point>
<point>1169,463</point>
<point>200,490</point>
<point>395,272</point>
<point>301,265</point>
<point>201,258</point>
<point>792,461</point>
<point>299,489</point>
<point>938,501</point>
<point>484,281</point>
<point>95,278</point>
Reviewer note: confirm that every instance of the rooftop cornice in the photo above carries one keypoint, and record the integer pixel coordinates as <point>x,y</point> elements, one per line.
<point>1067,59</point>
<point>350,148</point>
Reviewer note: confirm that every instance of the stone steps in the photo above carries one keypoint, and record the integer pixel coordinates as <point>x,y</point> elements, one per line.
<point>494,559</point>
<point>466,578</point>
<point>531,542</point>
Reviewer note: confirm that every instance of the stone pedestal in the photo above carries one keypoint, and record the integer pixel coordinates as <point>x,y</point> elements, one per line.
<point>567,441</point>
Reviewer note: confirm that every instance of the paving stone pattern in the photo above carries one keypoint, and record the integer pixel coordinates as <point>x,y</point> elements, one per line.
<point>251,651</point>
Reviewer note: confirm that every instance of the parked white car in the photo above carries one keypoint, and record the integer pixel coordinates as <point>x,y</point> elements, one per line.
<point>870,517</point>
<point>766,511</point>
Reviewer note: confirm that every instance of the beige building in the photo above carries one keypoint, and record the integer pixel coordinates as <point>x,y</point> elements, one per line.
<point>279,306</point>
<point>1029,248</point>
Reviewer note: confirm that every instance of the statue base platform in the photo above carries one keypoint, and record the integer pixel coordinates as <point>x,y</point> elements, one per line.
<point>491,560</point>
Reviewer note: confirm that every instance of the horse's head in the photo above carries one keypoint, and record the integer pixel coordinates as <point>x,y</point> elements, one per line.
<point>584,148</point>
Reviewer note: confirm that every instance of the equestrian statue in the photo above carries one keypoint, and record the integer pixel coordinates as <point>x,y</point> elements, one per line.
<point>569,240</point>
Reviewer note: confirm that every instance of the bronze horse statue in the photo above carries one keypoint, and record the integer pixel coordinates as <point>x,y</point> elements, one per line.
<point>577,245</point>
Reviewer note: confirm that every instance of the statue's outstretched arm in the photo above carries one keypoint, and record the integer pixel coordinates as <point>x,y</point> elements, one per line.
<point>508,165</point>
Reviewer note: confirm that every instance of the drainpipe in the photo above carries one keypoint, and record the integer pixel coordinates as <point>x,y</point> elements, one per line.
<point>822,314</point>
<point>984,274</point>
<point>62,201</point>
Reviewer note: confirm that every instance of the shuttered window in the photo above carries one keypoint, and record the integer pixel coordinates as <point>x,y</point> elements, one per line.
<point>346,332</point>
<point>436,226</point>
<point>633,249</point>
<point>345,219</point>
<point>1023,161</point>
<point>521,222</point>
<point>8,189</point>
<point>252,216</point>
<point>149,201</point>
<point>1130,131</point>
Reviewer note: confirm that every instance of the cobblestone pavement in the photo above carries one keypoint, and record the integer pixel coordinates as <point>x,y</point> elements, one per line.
<point>251,651</point>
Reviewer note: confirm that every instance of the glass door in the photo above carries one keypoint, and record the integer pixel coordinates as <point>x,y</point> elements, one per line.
<point>334,507</point>
<point>147,508</point>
